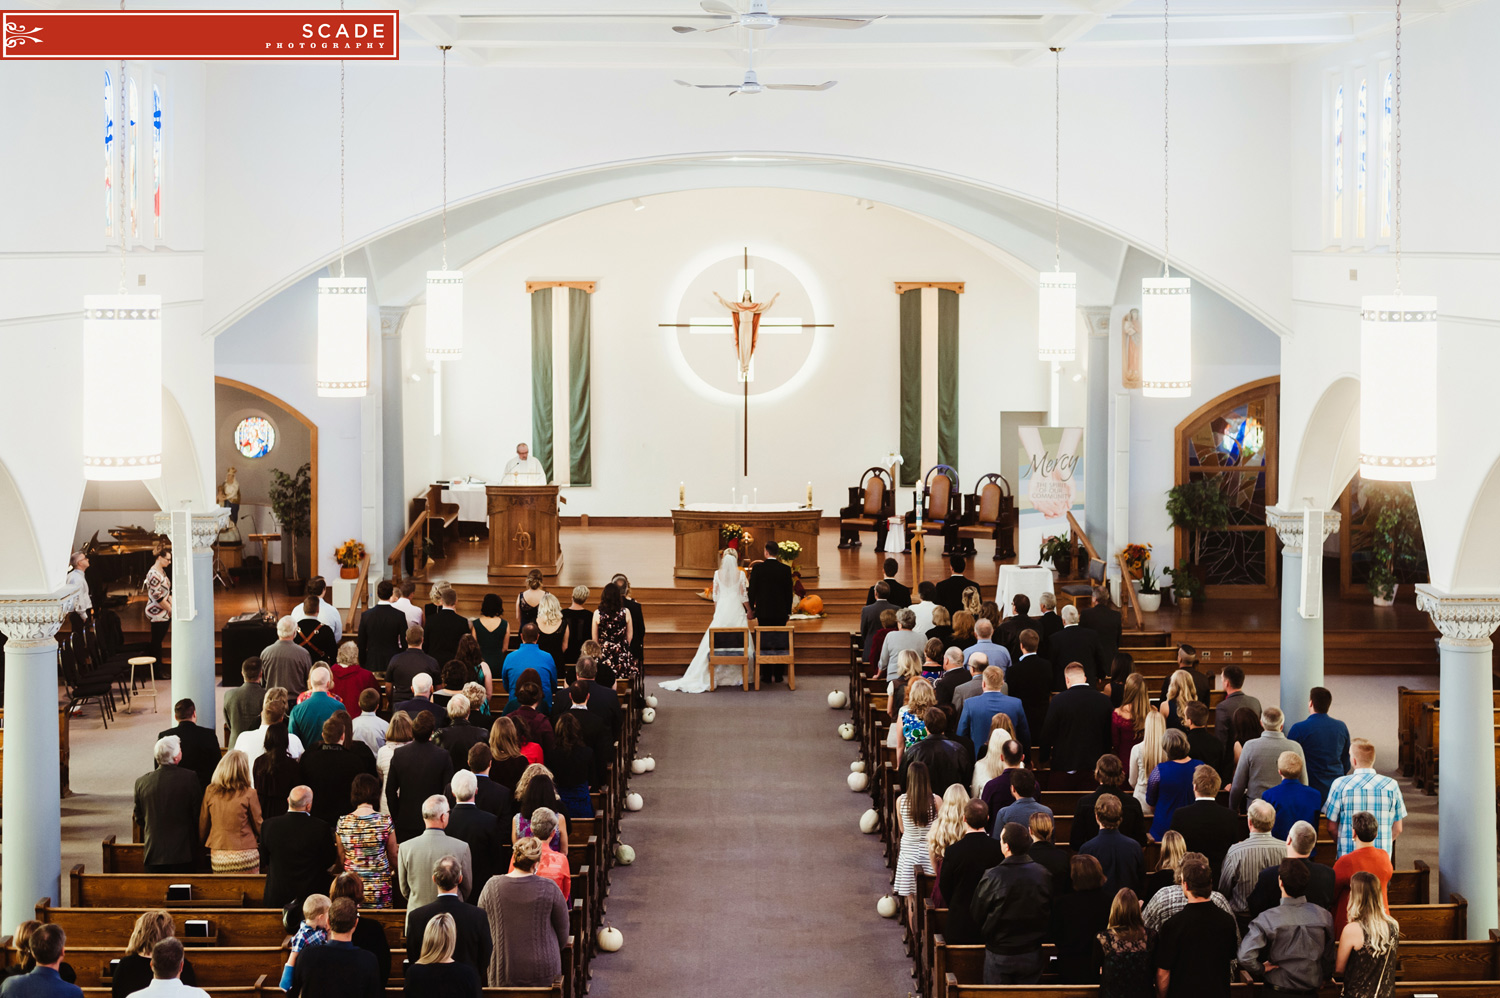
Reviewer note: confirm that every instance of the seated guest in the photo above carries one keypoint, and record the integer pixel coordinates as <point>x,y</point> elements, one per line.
<point>1292,945</point>
<point>229,818</point>
<point>1207,826</point>
<point>1366,857</point>
<point>351,680</point>
<point>1322,889</point>
<point>1246,859</point>
<point>1171,900</point>
<point>368,935</point>
<point>308,716</point>
<point>405,666</point>
<point>1368,945</point>
<point>1110,775</point>
<point>166,970</point>
<point>418,771</point>
<point>133,972</point>
<point>242,705</point>
<point>1077,918</point>
<point>369,727</point>
<point>572,763</point>
<point>44,979</point>
<point>974,722</point>
<point>421,701</point>
<point>1168,858</point>
<point>296,850</point>
<point>1023,789</point>
<point>1203,741</point>
<point>1053,857</point>
<point>468,929</point>
<point>528,918</point>
<point>1197,946</point>
<point>964,862</point>
<point>996,793</point>
<point>1293,800</point>
<point>366,843</point>
<point>1170,785</point>
<point>167,802</point>
<point>435,971</point>
<point>553,863</point>
<point>1013,908</point>
<point>460,735</point>
<point>1124,950</point>
<point>336,968</point>
<point>1119,856</point>
<point>330,768</point>
<point>1256,771</point>
<point>480,829</point>
<point>948,761</point>
<point>21,943</point>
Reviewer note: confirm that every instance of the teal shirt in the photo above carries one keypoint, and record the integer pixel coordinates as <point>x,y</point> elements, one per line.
<point>309,715</point>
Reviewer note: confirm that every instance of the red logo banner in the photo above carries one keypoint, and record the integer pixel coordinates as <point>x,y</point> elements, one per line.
<point>199,34</point>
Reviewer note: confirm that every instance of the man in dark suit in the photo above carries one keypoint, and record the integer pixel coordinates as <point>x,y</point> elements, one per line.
<point>1048,624</point>
<point>869,615</point>
<point>1119,855</point>
<point>1321,888</point>
<point>296,852</point>
<point>421,700</point>
<point>338,968</point>
<point>1203,682</point>
<point>474,941</point>
<point>593,725</point>
<point>242,705</point>
<point>417,771</point>
<point>461,734</point>
<point>637,618</point>
<point>1020,620</point>
<point>1029,680</point>
<point>1104,620</point>
<point>1203,742</point>
<point>899,595</point>
<point>950,592</point>
<point>382,630</point>
<point>200,747</point>
<point>964,862</point>
<point>1110,773</point>
<point>479,828</point>
<point>329,767</point>
<point>405,666</point>
<point>445,627</point>
<point>603,700</point>
<point>948,761</point>
<point>1076,644</point>
<point>1076,732</point>
<point>771,604</point>
<point>166,807</point>
<point>1206,825</point>
<point>489,795</point>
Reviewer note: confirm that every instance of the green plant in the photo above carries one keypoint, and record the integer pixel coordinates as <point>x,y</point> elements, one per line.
<point>1184,583</point>
<point>1148,581</point>
<point>1058,550</point>
<point>291,504</point>
<point>1197,506</point>
<point>1395,540</point>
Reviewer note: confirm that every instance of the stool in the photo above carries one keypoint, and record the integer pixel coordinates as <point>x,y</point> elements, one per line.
<point>733,652</point>
<point>764,658</point>
<point>149,686</point>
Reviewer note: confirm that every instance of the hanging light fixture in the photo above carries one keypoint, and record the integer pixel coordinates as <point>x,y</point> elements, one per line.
<point>1057,292</point>
<point>445,288</point>
<point>343,322</point>
<point>121,371</point>
<point>1398,356</point>
<point>1166,301</point>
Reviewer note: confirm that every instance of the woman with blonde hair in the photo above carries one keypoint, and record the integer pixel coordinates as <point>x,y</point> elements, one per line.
<point>133,972</point>
<point>1367,947</point>
<point>528,922</point>
<point>435,973</point>
<point>1180,690</point>
<point>908,669</point>
<point>1173,848</point>
<point>947,828</point>
<point>580,624</point>
<point>399,733</point>
<point>972,604</point>
<point>229,820</point>
<point>1145,756</point>
<point>942,625</point>
<point>1127,725</point>
<point>909,719</point>
<point>990,766</point>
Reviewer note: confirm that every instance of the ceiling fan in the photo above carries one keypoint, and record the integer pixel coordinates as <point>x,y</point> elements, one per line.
<point>751,84</point>
<point>758,18</point>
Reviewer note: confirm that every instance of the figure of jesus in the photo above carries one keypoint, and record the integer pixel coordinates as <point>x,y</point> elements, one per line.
<point>523,469</point>
<point>744,346</point>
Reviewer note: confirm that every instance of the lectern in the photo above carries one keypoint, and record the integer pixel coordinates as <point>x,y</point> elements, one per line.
<point>523,529</point>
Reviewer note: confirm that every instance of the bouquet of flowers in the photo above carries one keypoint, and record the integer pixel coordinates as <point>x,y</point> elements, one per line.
<point>733,535</point>
<point>1136,557</point>
<point>348,553</point>
<point>789,550</point>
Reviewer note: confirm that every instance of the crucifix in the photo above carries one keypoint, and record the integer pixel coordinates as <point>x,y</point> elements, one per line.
<point>746,339</point>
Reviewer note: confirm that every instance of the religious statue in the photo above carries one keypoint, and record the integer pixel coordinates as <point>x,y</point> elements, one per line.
<point>229,496</point>
<point>744,346</point>
<point>1130,347</point>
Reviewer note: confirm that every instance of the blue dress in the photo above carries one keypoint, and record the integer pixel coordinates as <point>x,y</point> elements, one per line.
<point>1169,787</point>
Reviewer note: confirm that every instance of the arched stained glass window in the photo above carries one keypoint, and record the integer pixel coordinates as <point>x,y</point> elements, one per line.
<point>1385,158</point>
<point>132,161</point>
<point>1361,161</point>
<point>1338,162</point>
<point>109,157</point>
<point>156,164</point>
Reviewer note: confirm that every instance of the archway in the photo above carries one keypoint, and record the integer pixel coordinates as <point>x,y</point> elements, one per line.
<point>1328,457</point>
<point>1478,565</point>
<point>19,552</point>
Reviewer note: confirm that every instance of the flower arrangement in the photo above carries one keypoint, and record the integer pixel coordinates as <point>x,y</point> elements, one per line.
<point>789,550</point>
<point>1136,557</point>
<point>348,553</point>
<point>733,535</point>
<point>1058,550</point>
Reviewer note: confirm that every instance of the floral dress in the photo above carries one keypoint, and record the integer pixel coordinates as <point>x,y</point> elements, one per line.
<point>364,837</point>
<point>614,653</point>
<point>913,728</point>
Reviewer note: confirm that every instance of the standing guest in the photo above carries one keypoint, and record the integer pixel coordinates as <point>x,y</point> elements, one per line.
<point>1208,827</point>
<point>1365,857</point>
<point>336,968</point>
<point>480,829</point>
<point>418,771</point>
<point>870,615</point>
<point>984,644</point>
<point>905,638</point>
<point>446,626</point>
<point>552,628</point>
<point>948,761</point>
<point>898,594</point>
<point>242,705</point>
<point>1049,623</point>
<point>252,742</point>
<point>382,629</point>
<point>950,592</point>
<point>530,715</point>
<point>1187,661</point>
<point>1110,776</point>
<point>330,768</point>
<point>167,964</point>
<point>229,818</point>
<point>274,772</point>
<point>942,626</point>
<point>579,621</point>
<point>492,632</point>
<point>910,697</point>
<point>979,711</point>
<point>405,590</point>
<point>366,842</point>
<point>1023,788</point>
<point>312,635</point>
<point>489,794</point>
<point>1173,899</point>
<point>397,734</point>
<point>615,631</point>
<point>529,658</point>
<point>637,618</point>
<point>996,791</point>
<point>964,691</point>
<point>1127,725</point>
<point>602,698</point>
<point>1233,678</point>
<point>509,763</point>
<point>529,600</point>
<point>308,716</point>
<point>572,765</point>
<point>528,919</point>
<point>1013,908</point>
<point>1077,919</point>
<point>417,858</point>
<point>1145,757</point>
<point>297,851</point>
<point>964,863</point>
<point>78,564</point>
<point>1180,691</point>
<point>1119,856</point>
<point>1196,951</point>
<point>1257,770</point>
<point>1246,727</point>
<point>435,973</point>
<point>200,748</point>
<point>1053,858</point>
<point>421,701</point>
<point>1292,944</point>
<point>461,734</point>
<point>876,640</point>
<point>1168,858</point>
<point>1103,619</point>
<point>1074,643</point>
<point>166,807</point>
<point>1123,951</point>
<point>1020,619</point>
<point>1203,743</point>
<point>1246,859</point>
<point>1171,784</point>
<point>284,662</point>
<point>1325,743</point>
<point>368,934</point>
<point>1076,732</point>
<point>158,586</point>
<point>351,680</point>
<point>924,607</point>
<point>320,610</point>
<point>915,811</point>
<point>1322,887</point>
<point>1293,800</point>
<point>469,929</point>
<point>133,972</point>
<point>553,864</point>
<point>1121,668</point>
<point>368,725</point>
<point>1368,943</point>
<point>954,675</point>
<point>406,665</point>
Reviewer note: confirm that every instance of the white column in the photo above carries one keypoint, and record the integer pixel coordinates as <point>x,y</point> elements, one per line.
<point>1301,638</point>
<point>393,447</point>
<point>1466,795</point>
<point>193,640</point>
<point>32,849</point>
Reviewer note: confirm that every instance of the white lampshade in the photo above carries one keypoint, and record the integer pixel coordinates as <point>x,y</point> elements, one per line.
<point>445,314</point>
<point>1398,388</point>
<point>343,338</point>
<point>1167,337</point>
<point>121,387</point>
<point>1057,322</point>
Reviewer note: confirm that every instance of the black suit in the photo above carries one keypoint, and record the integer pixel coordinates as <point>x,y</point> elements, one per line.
<point>1077,644</point>
<point>596,735</point>
<point>474,942</point>
<point>1204,745</point>
<point>1105,622</point>
<point>1076,732</point>
<point>482,831</point>
<point>415,706</point>
<point>606,702</point>
<point>167,800</point>
<point>200,749</point>
<point>417,771</point>
<point>1086,826</point>
<point>869,618</point>
<point>950,592</point>
<point>406,666</point>
<point>1047,625</point>
<point>771,602</point>
<point>1320,889</point>
<point>948,762</point>
<point>443,631</point>
<point>1009,634</point>
<point>900,596</point>
<point>964,862</point>
<point>335,970</point>
<point>382,633</point>
<point>458,737</point>
<point>637,640</point>
<point>494,797</point>
<point>296,851</point>
<point>1030,680</point>
<point>1210,829</point>
<point>329,770</point>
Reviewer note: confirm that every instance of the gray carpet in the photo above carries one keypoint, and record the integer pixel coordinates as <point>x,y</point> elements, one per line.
<point>751,875</point>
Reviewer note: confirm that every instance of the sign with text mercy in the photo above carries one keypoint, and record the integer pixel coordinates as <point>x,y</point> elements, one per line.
<point>199,34</point>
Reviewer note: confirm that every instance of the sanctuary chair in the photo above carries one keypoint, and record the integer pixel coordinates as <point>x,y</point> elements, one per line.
<point>871,504</point>
<point>989,512</point>
<point>940,505</point>
<point>729,646</point>
<point>779,652</point>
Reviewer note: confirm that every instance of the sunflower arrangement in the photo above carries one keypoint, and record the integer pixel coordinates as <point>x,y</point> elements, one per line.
<point>348,553</point>
<point>1136,557</point>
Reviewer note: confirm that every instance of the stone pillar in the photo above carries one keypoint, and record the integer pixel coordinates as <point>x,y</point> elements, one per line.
<point>1466,798</point>
<point>193,640</point>
<point>32,849</point>
<point>393,436</point>
<point>1301,638</point>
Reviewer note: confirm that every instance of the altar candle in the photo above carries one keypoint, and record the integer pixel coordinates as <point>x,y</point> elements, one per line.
<point>681,495</point>
<point>755,497</point>
<point>809,495</point>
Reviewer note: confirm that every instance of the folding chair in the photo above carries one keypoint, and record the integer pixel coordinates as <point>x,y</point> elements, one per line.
<point>728,646</point>
<point>780,653</point>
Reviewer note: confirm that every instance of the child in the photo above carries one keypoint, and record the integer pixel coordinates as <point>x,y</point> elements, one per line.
<point>314,932</point>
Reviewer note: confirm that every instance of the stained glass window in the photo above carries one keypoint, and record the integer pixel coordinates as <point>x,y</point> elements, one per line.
<point>254,437</point>
<point>109,157</point>
<point>1338,162</point>
<point>132,161</point>
<point>1385,158</point>
<point>1360,163</point>
<point>156,160</point>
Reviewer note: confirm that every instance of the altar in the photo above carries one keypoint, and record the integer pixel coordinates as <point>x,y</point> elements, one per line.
<point>695,531</point>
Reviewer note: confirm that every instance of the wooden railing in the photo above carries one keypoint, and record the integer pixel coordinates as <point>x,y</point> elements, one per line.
<point>361,594</point>
<point>1076,536</point>
<point>419,562</point>
<point>1130,593</point>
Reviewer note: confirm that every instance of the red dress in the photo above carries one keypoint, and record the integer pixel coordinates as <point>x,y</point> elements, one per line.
<point>1122,734</point>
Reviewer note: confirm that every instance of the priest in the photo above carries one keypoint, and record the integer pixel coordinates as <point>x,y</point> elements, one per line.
<point>523,469</point>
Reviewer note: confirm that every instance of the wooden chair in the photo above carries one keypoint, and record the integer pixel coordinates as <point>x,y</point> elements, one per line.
<point>871,504</point>
<point>763,658</point>
<point>940,507</point>
<point>990,512</point>
<point>1072,592</point>
<point>735,651</point>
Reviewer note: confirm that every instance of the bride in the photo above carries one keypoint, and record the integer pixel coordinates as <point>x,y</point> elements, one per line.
<point>731,606</point>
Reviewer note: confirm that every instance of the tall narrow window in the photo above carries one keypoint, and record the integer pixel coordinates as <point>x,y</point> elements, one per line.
<point>109,158</point>
<point>156,160</point>
<point>132,161</point>
<point>1338,162</point>
<point>1361,164</point>
<point>1385,158</point>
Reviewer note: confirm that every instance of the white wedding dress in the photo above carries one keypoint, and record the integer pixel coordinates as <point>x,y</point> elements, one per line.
<point>730,596</point>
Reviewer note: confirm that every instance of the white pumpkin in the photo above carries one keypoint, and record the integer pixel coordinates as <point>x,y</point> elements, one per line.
<point>648,715</point>
<point>650,764</point>
<point>846,731</point>
<point>857,766</point>
<point>624,854</point>
<point>610,939</point>
<point>651,701</point>
<point>858,781</point>
<point>869,821</point>
<point>837,699</point>
<point>638,766</point>
<point>886,906</point>
<point>634,802</point>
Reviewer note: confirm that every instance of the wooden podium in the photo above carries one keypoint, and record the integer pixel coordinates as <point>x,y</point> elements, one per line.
<point>523,529</point>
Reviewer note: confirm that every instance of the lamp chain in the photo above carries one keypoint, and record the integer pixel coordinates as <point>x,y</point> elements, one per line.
<point>1166,133</point>
<point>1057,160</point>
<point>120,133</point>
<point>1396,178</point>
<point>341,161</point>
<point>445,154</point>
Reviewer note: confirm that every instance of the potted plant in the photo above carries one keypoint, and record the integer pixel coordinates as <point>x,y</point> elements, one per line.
<point>291,504</point>
<point>1150,595</point>
<point>347,555</point>
<point>1197,506</point>
<point>1057,550</point>
<point>1395,543</point>
<point>1186,586</point>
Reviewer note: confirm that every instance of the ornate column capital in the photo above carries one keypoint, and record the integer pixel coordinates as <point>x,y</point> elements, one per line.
<point>392,318</point>
<point>1288,526</point>
<point>1097,317</point>
<point>31,621</point>
<point>206,526</point>
<point>1465,621</point>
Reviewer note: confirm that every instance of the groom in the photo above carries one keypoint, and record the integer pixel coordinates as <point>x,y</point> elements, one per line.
<point>771,605</point>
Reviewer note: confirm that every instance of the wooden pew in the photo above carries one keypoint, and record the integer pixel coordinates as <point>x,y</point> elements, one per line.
<point>1410,886</point>
<point>214,966</point>
<point>1428,735</point>
<point>1453,960</point>
<point>149,890</point>
<point>1408,704</point>
<point>1433,921</point>
<point>231,926</point>
<point>260,989</point>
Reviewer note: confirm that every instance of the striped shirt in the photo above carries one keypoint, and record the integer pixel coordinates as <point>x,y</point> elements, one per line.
<point>1170,900</point>
<point>1364,790</point>
<point>1243,864</point>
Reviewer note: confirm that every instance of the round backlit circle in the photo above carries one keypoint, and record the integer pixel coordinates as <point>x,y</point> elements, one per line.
<point>254,437</point>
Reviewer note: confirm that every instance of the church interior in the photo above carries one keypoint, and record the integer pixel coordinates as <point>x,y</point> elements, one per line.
<point>1116,318</point>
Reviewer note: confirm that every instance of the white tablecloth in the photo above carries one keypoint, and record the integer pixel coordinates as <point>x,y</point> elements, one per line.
<point>1014,579</point>
<point>471,500</point>
<point>895,536</point>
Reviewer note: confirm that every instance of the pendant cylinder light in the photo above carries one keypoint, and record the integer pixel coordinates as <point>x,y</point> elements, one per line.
<point>121,387</point>
<point>445,288</point>
<point>1166,301</point>
<point>343,337</point>
<point>1057,292</point>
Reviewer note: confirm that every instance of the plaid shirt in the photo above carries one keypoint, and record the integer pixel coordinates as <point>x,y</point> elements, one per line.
<point>1364,790</point>
<point>1170,900</point>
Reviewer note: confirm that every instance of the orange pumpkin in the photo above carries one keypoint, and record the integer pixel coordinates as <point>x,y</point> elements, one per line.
<point>812,605</point>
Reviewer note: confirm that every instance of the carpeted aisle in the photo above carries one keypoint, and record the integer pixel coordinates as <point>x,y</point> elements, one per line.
<point>751,876</point>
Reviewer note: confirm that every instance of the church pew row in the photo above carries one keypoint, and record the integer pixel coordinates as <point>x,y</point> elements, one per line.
<point>1428,735</point>
<point>1403,989</point>
<point>1409,703</point>
<point>260,989</point>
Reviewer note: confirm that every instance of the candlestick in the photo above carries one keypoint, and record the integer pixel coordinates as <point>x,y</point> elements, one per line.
<point>755,500</point>
<point>681,496</point>
<point>809,495</point>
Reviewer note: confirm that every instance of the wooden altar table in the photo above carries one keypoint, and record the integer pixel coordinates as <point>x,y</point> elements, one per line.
<point>695,529</point>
